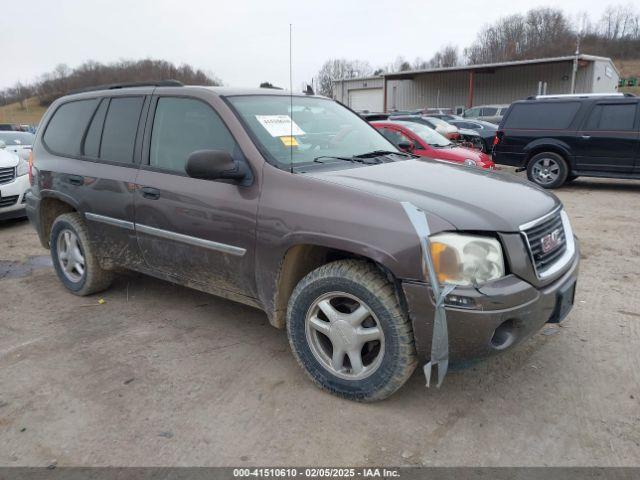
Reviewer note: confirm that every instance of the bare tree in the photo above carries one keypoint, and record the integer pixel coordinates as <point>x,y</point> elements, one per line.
<point>337,69</point>
<point>447,56</point>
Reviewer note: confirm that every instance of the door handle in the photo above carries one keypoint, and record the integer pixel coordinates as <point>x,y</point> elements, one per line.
<point>586,137</point>
<point>75,180</point>
<point>150,193</point>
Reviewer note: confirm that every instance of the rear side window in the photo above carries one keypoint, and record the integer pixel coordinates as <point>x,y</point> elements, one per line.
<point>183,125</point>
<point>92,140</point>
<point>545,116</point>
<point>120,127</point>
<point>612,117</point>
<point>489,111</point>
<point>67,126</point>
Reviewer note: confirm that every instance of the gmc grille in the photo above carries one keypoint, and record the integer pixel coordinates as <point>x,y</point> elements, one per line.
<point>8,201</point>
<point>551,232</point>
<point>7,174</point>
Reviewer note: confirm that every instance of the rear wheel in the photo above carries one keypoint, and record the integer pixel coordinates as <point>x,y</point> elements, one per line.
<point>547,169</point>
<point>348,331</point>
<point>74,257</point>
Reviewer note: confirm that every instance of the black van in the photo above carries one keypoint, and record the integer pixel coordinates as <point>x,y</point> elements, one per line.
<point>559,138</point>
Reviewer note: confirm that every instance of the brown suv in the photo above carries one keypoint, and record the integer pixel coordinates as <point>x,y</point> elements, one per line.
<point>295,205</point>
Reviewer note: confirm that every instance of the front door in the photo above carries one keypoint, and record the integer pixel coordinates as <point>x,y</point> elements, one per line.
<point>608,140</point>
<point>201,231</point>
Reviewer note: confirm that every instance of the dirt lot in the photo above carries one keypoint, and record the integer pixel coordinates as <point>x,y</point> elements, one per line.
<point>162,375</point>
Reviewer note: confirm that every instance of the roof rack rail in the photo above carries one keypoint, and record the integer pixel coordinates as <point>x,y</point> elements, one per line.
<point>116,86</point>
<point>580,95</point>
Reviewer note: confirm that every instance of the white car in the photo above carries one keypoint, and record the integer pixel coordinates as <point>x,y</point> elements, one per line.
<point>14,183</point>
<point>19,143</point>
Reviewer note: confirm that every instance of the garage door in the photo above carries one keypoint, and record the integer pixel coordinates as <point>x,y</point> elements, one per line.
<point>366,99</point>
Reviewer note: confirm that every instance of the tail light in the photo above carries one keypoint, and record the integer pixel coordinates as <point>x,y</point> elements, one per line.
<point>498,138</point>
<point>31,167</point>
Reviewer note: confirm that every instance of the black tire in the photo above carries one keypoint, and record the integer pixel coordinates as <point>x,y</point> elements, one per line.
<point>559,176</point>
<point>93,279</point>
<point>366,283</point>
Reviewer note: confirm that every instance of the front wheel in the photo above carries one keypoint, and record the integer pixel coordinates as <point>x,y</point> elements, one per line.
<point>349,333</point>
<point>547,169</point>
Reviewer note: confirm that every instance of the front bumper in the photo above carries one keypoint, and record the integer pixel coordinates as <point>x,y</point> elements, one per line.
<point>507,312</point>
<point>12,198</point>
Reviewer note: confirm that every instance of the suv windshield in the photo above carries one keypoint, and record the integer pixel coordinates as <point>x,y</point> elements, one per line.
<point>313,128</point>
<point>429,135</point>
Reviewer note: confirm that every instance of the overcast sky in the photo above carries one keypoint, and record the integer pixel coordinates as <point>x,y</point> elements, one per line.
<point>242,42</point>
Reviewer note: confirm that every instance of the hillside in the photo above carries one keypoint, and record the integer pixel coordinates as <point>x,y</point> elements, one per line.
<point>629,68</point>
<point>14,113</point>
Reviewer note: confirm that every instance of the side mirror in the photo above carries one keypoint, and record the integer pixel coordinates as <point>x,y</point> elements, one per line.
<point>406,146</point>
<point>215,165</point>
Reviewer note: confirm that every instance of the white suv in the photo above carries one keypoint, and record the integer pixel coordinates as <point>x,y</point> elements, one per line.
<point>14,182</point>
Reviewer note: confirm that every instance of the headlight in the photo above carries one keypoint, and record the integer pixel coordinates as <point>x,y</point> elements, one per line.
<point>22,168</point>
<point>470,162</point>
<point>466,259</point>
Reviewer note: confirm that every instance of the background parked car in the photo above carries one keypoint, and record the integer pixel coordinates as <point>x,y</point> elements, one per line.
<point>373,116</point>
<point>488,113</point>
<point>19,143</point>
<point>426,142</point>
<point>558,138</point>
<point>443,128</point>
<point>14,182</point>
<point>486,130</point>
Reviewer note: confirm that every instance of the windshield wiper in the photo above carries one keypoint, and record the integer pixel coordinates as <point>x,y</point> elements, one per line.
<point>381,153</point>
<point>355,158</point>
<point>346,159</point>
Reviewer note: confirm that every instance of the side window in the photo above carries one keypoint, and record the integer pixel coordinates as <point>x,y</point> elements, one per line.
<point>67,126</point>
<point>182,126</point>
<point>472,113</point>
<point>392,135</point>
<point>612,117</point>
<point>489,111</point>
<point>542,115</point>
<point>120,128</point>
<point>92,139</point>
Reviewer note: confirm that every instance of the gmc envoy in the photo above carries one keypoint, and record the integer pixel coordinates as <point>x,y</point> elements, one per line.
<point>293,204</point>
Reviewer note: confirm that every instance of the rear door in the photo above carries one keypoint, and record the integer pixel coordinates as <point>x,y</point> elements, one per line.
<point>200,231</point>
<point>608,139</point>
<point>98,168</point>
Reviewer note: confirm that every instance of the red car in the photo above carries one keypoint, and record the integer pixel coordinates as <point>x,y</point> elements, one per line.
<point>426,142</point>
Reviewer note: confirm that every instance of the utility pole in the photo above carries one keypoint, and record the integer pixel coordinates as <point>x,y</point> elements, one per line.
<point>574,69</point>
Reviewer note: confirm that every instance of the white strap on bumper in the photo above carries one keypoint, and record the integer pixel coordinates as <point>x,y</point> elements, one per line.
<point>440,338</point>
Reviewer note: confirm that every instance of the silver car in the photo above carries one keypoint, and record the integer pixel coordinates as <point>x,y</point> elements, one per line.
<point>488,113</point>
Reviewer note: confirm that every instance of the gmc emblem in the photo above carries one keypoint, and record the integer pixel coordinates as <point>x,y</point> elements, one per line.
<point>550,241</point>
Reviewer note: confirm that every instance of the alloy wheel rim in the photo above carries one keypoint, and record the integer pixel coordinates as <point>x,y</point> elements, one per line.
<point>70,256</point>
<point>546,170</point>
<point>345,336</point>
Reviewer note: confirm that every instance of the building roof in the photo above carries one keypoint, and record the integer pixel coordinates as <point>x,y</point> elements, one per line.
<point>486,66</point>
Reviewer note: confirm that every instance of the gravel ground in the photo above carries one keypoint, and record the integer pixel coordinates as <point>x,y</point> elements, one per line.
<point>164,375</point>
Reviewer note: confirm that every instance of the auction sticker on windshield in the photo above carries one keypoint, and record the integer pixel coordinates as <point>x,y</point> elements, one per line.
<point>279,125</point>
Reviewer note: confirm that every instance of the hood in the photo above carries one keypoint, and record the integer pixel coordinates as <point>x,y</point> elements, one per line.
<point>457,153</point>
<point>467,198</point>
<point>468,131</point>
<point>8,158</point>
<point>20,150</point>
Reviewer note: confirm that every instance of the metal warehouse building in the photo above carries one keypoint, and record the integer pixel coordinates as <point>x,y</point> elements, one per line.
<point>466,86</point>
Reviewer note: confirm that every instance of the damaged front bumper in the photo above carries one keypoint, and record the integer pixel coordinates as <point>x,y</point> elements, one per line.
<point>496,317</point>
